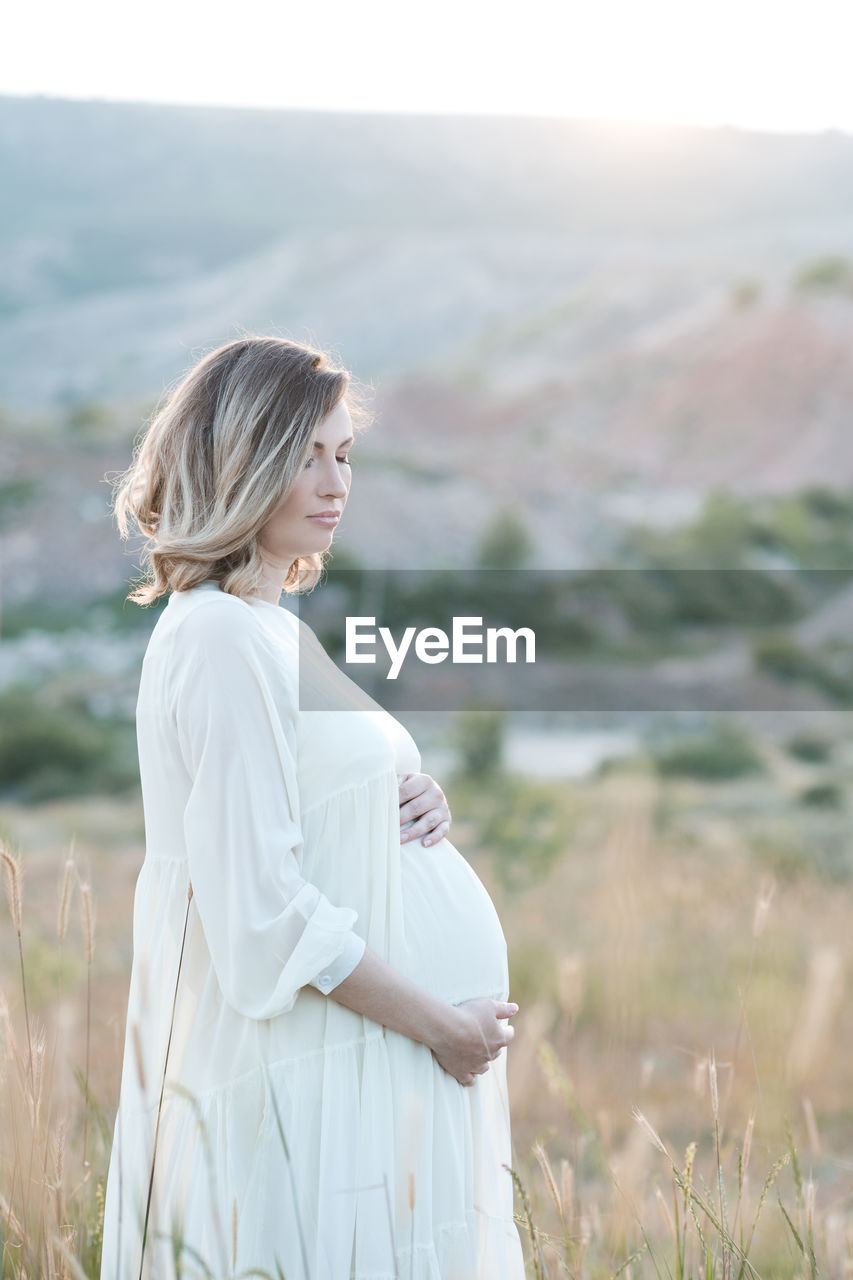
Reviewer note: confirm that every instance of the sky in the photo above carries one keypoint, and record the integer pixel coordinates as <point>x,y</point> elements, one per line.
<point>755,64</point>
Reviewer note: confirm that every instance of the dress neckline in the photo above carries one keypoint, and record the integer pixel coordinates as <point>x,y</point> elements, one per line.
<point>211,584</point>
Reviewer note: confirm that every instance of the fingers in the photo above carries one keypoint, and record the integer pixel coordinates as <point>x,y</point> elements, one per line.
<point>416,790</point>
<point>433,818</point>
<point>501,1047</point>
<point>505,1010</point>
<point>437,833</point>
<point>403,785</point>
<point>510,1032</point>
<point>412,785</point>
<point>427,826</point>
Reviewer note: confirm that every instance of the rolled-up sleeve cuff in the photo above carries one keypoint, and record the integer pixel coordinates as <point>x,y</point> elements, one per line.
<point>340,968</point>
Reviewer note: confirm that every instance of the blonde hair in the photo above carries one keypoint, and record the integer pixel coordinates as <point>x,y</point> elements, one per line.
<point>217,458</point>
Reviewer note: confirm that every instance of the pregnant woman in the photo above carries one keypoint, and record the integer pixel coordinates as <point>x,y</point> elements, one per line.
<point>314,1082</point>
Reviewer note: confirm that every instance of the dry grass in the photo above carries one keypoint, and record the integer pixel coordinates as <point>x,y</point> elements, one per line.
<point>50,1206</point>
<point>680,1077</point>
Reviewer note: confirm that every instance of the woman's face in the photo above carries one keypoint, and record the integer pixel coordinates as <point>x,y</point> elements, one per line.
<point>294,528</point>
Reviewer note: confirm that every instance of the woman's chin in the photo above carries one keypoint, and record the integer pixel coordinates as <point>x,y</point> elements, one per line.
<point>321,543</point>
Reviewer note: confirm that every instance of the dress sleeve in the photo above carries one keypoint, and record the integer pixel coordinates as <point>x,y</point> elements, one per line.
<point>269,931</point>
<point>342,967</point>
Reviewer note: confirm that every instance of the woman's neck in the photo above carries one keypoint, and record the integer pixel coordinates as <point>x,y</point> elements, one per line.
<point>271,584</point>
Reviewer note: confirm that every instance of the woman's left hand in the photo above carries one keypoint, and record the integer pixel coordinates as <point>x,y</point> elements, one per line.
<point>422,799</point>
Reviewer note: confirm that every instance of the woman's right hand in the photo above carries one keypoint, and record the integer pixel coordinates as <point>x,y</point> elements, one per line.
<point>464,1037</point>
<point>473,1035</point>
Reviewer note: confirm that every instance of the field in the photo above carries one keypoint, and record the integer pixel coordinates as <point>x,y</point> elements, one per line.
<point>678,948</point>
<point>624,351</point>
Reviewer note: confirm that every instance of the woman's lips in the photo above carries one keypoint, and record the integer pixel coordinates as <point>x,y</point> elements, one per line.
<point>328,521</point>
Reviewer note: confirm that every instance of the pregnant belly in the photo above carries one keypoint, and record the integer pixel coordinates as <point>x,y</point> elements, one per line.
<point>455,943</point>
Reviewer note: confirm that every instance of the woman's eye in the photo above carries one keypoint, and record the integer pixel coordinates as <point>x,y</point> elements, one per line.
<point>310,461</point>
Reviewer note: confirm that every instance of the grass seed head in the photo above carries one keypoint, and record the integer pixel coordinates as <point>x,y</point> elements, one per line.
<point>65,898</point>
<point>712,1080</point>
<point>651,1134</point>
<point>567,1193</point>
<point>664,1208</point>
<point>14,875</point>
<point>747,1143</point>
<point>88,919</point>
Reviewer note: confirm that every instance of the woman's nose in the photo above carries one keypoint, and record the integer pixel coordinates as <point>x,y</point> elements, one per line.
<point>337,485</point>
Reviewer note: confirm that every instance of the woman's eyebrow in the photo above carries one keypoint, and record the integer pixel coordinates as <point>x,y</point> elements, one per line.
<point>349,440</point>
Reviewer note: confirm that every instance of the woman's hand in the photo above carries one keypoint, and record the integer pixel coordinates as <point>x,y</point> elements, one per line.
<point>423,801</point>
<point>473,1037</point>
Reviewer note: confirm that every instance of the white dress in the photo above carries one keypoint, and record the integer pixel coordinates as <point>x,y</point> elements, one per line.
<point>296,1138</point>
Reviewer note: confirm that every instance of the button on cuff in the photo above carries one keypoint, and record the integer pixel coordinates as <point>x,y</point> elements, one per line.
<point>341,967</point>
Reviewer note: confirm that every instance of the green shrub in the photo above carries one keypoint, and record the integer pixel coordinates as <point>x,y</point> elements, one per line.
<point>745,292</point>
<point>832,273</point>
<point>479,736</point>
<point>782,657</point>
<point>89,418</point>
<point>505,542</point>
<point>809,747</point>
<point>727,597</point>
<point>524,831</point>
<point>809,528</point>
<point>822,795</point>
<point>725,751</point>
<point>828,668</point>
<point>48,751</point>
<point>111,611</point>
<point>15,496</point>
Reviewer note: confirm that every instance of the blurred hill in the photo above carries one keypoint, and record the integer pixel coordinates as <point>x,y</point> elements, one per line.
<point>580,322</point>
